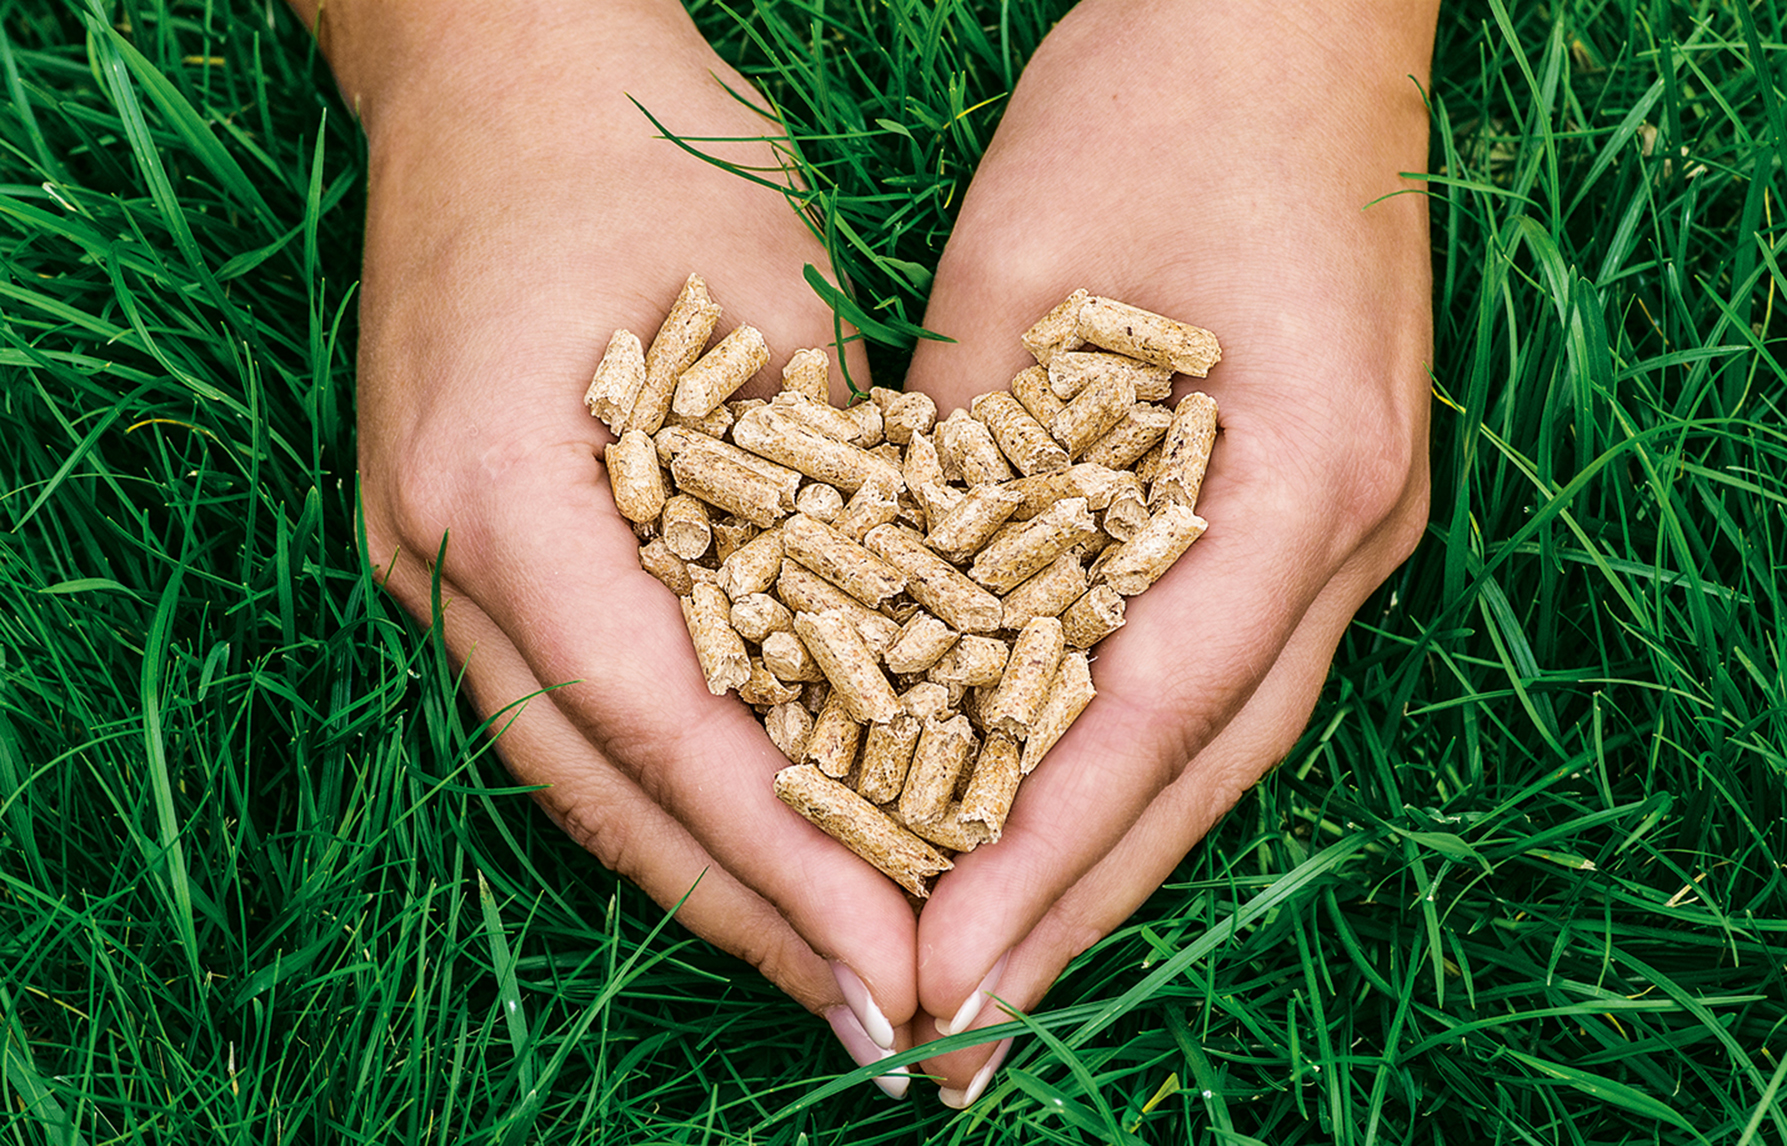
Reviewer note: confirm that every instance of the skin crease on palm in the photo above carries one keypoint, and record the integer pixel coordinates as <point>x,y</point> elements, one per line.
<point>520,210</point>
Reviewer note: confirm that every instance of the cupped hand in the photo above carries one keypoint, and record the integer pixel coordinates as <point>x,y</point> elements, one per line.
<point>521,209</point>
<point>1225,165</point>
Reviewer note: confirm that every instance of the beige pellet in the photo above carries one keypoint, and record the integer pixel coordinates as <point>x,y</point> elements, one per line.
<point>634,477</point>
<point>754,566</point>
<point>730,535</point>
<point>804,591</point>
<point>857,824</point>
<point>1185,453</point>
<point>835,735</point>
<point>786,655</point>
<point>910,413</point>
<point>1019,436</point>
<point>766,690</point>
<point>723,481</point>
<point>927,700</point>
<point>1072,372</point>
<point>702,575</point>
<point>1023,550</point>
<point>933,582</point>
<point>742,406</point>
<point>1141,560</point>
<point>1055,330</point>
<point>871,430</point>
<point>674,440</point>
<point>755,616</point>
<point>1124,444</point>
<point>1046,593</point>
<point>656,558</point>
<point>715,423</point>
<point>1149,465</point>
<point>971,660</point>
<point>820,502</point>
<point>856,679</point>
<point>1031,389</point>
<point>834,556</point>
<point>1069,694</point>
<point>968,452</point>
<point>960,532</point>
<point>808,372</point>
<point>877,502</point>
<point>886,758</point>
<point>950,830</point>
<point>1094,412</point>
<point>619,376</point>
<point>1094,616</point>
<point>922,640</point>
<point>685,527</point>
<point>771,432</point>
<point>943,750</point>
<point>889,453</point>
<point>995,783</point>
<point>674,349</point>
<point>721,651</point>
<point>1035,658</point>
<point>883,396</point>
<point>1143,334</point>
<point>788,726</point>
<point>1092,482</point>
<point>820,417</point>
<point>1128,511</point>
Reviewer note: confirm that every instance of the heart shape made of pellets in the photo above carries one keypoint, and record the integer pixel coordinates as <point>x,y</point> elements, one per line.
<point>906,602</point>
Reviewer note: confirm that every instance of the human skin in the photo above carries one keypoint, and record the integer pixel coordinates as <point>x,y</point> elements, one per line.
<point>520,210</point>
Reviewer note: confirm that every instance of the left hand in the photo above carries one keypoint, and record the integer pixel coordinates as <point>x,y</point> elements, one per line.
<point>1226,183</point>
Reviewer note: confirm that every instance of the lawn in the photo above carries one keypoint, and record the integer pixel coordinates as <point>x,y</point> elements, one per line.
<point>1522,880</point>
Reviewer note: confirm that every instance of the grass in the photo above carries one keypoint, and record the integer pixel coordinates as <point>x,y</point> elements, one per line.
<point>1521,882</point>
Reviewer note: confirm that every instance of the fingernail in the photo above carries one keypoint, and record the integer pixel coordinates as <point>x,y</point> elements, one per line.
<point>963,1099</point>
<point>976,999</point>
<point>863,1051</point>
<point>862,1005</point>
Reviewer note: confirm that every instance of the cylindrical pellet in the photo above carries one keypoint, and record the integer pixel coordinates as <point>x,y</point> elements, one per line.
<point>848,665</point>
<point>1069,373</point>
<point>960,532</point>
<point>788,726</point>
<point>911,413</point>
<point>755,616</point>
<point>994,785</point>
<point>772,433</point>
<point>1145,557</point>
<point>1094,616</point>
<point>922,640</point>
<point>634,477</point>
<point>1069,694</point>
<point>871,430</point>
<point>1019,436</point>
<point>618,378</point>
<point>835,557</point>
<point>1185,453</point>
<point>1024,549</point>
<point>1094,483</point>
<point>942,752</point>
<point>1035,658</point>
<point>933,582</point>
<point>821,417</point>
<point>722,481</point>
<point>971,660</point>
<point>753,567</point>
<point>684,525</point>
<point>820,502</point>
<point>1093,413</point>
<point>1046,593</point>
<point>886,757</point>
<point>1129,439</point>
<point>717,375</point>
<point>1031,389</point>
<point>1056,329</point>
<point>786,655</point>
<point>857,824</point>
<point>835,735</point>
<point>715,423</point>
<point>804,591</point>
<point>721,652</point>
<point>927,700</point>
<point>1145,335</point>
<point>807,372</point>
<point>763,689</point>
<point>1128,512</point>
<point>674,349</point>
<point>877,502</point>
<point>950,830</point>
<point>968,452</point>
<point>656,558</point>
<point>730,535</point>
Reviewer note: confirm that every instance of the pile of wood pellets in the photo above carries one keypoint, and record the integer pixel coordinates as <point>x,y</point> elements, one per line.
<point>907,602</point>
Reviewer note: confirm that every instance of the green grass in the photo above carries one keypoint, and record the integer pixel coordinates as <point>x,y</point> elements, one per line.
<point>1521,882</point>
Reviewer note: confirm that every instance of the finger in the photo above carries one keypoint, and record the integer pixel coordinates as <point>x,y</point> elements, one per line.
<point>1259,736</point>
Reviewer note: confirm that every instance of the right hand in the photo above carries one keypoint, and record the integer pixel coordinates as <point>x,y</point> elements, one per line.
<point>520,209</point>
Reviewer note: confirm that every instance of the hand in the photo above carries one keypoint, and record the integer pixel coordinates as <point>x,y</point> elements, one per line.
<point>520,209</point>
<point>1214,163</point>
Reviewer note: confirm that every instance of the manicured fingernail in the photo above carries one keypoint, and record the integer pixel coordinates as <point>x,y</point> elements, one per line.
<point>976,999</point>
<point>963,1099</point>
<point>862,1005</point>
<point>863,1051</point>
